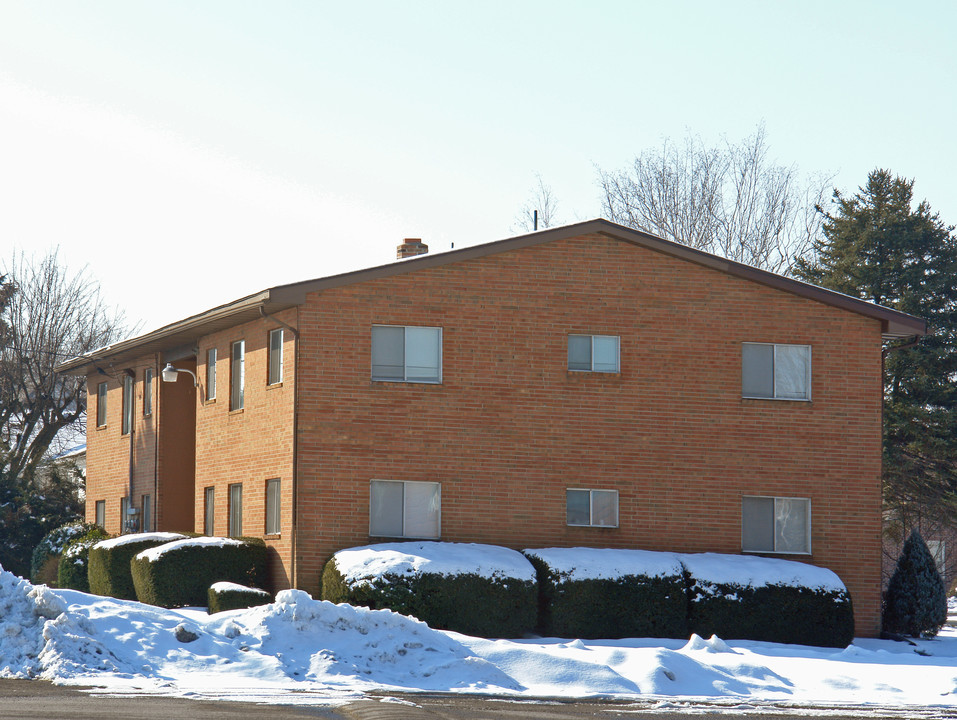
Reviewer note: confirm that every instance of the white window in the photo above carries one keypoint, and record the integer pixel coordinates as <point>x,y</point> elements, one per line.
<point>405,509</point>
<point>593,353</point>
<point>273,507</point>
<point>237,376</point>
<point>776,525</point>
<point>779,372</point>
<point>592,508</point>
<point>101,390</point>
<point>407,354</point>
<point>127,403</point>
<point>148,392</point>
<point>236,510</point>
<point>209,511</point>
<point>211,374</point>
<point>275,357</point>
<point>101,513</point>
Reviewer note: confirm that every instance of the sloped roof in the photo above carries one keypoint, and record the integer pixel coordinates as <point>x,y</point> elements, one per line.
<point>185,332</point>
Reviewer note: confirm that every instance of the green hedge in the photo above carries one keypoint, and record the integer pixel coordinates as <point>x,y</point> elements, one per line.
<point>73,568</point>
<point>181,575</point>
<point>109,568</point>
<point>229,596</point>
<point>631,605</point>
<point>467,603</point>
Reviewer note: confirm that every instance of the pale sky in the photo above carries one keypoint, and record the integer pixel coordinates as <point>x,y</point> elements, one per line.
<point>193,152</point>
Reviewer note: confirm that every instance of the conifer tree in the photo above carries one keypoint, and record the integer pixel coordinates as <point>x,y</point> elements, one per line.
<point>878,247</point>
<point>915,603</point>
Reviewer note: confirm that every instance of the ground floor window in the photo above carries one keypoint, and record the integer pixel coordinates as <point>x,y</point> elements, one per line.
<point>776,525</point>
<point>147,506</point>
<point>273,507</point>
<point>405,509</point>
<point>236,510</point>
<point>209,512</point>
<point>101,513</point>
<point>124,514</point>
<point>592,508</point>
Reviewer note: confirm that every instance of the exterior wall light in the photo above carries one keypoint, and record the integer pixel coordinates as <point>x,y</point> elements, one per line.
<point>171,374</point>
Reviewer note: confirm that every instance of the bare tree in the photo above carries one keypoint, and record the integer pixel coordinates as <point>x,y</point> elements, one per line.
<point>730,200</point>
<point>542,202</point>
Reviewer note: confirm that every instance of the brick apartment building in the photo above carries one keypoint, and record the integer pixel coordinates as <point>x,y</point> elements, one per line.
<point>588,385</point>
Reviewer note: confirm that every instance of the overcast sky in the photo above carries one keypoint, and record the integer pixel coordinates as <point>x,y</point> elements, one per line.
<point>192,152</point>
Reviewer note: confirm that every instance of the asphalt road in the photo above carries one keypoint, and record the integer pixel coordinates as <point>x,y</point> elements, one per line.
<point>39,700</point>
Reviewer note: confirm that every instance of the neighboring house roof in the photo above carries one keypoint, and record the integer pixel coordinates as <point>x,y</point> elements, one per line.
<point>185,333</point>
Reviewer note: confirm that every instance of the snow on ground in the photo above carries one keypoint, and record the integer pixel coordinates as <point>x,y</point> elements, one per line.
<point>299,650</point>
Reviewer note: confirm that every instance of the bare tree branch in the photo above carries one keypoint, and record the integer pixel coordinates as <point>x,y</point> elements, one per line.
<point>541,201</point>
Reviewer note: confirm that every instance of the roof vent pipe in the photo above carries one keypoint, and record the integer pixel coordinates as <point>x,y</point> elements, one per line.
<point>411,247</point>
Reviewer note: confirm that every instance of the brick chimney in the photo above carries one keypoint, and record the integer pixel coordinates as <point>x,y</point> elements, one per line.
<point>411,247</point>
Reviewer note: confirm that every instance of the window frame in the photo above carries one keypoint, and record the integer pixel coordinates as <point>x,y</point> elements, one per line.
<point>237,375</point>
<point>124,513</point>
<point>102,389</point>
<point>235,524</point>
<point>591,507</point>
<point>211,358</point>
<point>405,355</point>
<point>273,506</point>
<point>404,483</point>
<point>592,338</point>
<point>99,513</point>
<point>146,503</point>
<point>274,359</point>
<point>774,377</point>
<point>209,510</point>
<point>126,424</point>
<point>774,528</point>
<point>147,392</point>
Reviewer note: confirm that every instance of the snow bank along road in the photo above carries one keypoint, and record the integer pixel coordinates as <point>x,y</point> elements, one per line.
<point>299,651</point>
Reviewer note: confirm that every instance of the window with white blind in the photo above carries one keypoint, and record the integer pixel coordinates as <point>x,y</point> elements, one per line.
<point>273,507</point>
<point>407,354</point>
<point>775,372</point>
<point>593,353</point>
<point>405,509</point>
<point>776,525</point>
<point>591,508</point>
<point>237,375</point>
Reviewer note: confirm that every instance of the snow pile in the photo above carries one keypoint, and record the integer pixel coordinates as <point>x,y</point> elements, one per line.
<point>154,553</point>
<point>24,610</point>
<point>573,564</point>
<point>364,564</point>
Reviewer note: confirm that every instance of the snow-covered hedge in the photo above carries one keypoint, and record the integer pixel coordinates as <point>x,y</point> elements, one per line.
<point>73,566</point>
<point>230,596</point>
<point>46,555</point>
<point>180,573</point>
<point>757,598</point>
<point>481,590</point>
<point>109,567</point>
<point>592,593</point>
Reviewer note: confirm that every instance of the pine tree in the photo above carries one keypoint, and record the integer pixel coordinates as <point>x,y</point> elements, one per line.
<point>915,603</point>
<point>877,247</point>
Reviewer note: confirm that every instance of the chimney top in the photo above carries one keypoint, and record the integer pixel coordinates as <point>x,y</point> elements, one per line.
<point>411,247</point>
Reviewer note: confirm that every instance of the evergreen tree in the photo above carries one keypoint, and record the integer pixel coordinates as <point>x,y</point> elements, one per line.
<point>915,603</point>
<point>877,247</point>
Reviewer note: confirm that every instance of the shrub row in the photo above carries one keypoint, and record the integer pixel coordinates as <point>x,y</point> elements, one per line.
<point>592,593</point>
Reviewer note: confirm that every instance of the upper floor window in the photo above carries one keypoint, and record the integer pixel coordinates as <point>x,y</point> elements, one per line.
<point>593,353</point>
<point>407,354</point>
<point>237,375</point>
<point>101,404</point>
<point>776,525</point>
<point>778,372</point>
<point>127,403</point>
<point>211,374</point>
<point>148,392</point>
<point>595,508</point>
<point>405,509</point>
<point>275,357</point>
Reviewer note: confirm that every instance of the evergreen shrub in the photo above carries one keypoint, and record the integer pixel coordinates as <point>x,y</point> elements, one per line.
<point>46,555</point>
<point>182,573</point>
<point>466,602</point>
<point>776,608</point>
<point>915,603</point>
<point>109,564</point>
<point>631,604</point>
<point>229,596</point>
<point>73,567</point>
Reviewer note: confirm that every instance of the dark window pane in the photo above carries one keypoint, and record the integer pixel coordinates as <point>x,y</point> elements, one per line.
<point>757,524</point>
<point>757,370</point>
<point>577,509</point>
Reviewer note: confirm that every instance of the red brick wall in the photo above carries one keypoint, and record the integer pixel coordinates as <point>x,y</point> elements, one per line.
<point>510,428</point>
<point>252,445</point>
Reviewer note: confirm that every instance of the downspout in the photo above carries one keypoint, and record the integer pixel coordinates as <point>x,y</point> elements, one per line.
<point>294,530</point>
<point>154,510</point>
